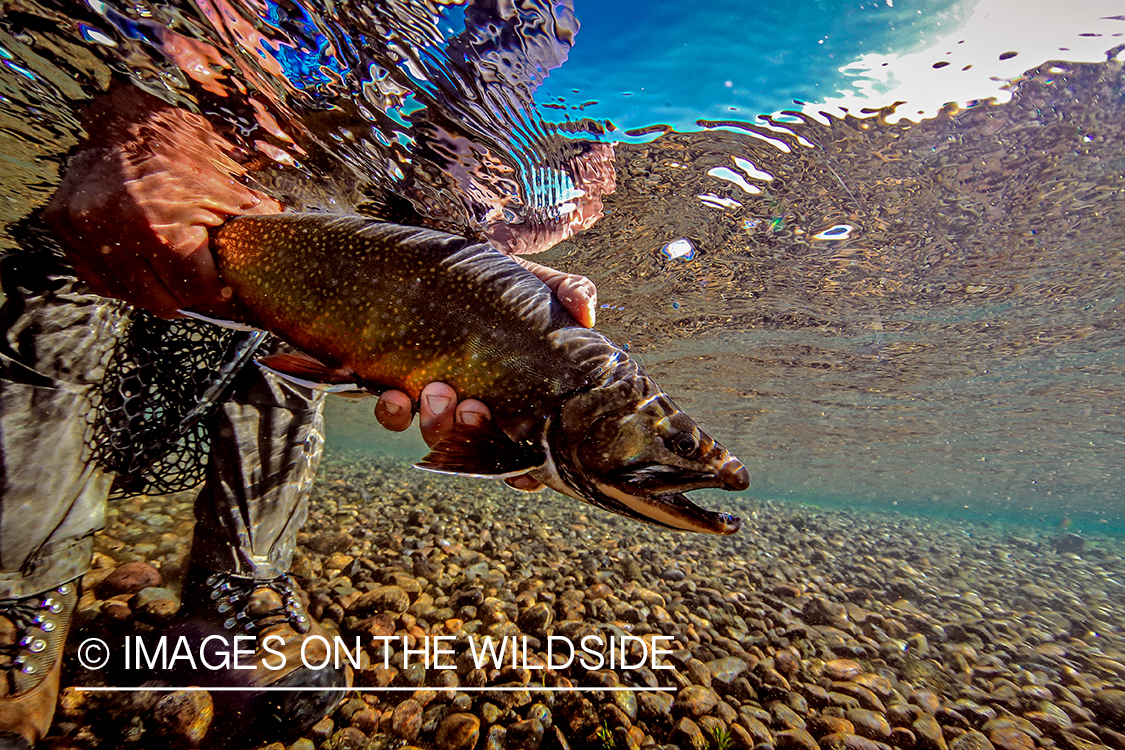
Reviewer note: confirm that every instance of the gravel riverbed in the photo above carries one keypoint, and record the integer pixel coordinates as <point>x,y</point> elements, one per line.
<point>807,630</point>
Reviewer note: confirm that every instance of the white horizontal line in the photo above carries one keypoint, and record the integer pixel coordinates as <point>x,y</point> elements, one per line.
<point>271,688</point>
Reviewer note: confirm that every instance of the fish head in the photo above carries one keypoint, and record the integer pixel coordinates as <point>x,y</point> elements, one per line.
<point>628,448</point>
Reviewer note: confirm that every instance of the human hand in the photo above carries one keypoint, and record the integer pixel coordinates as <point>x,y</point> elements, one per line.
<point>439,411</point>
<point>135,206</point>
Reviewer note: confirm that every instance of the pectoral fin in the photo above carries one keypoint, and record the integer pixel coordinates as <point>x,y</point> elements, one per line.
<point>303,370</point>
<point>481,451</point>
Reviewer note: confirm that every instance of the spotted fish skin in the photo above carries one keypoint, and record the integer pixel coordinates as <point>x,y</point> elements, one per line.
<point>394,307</point>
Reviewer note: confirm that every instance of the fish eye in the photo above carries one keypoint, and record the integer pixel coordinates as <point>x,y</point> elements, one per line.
<point>684,444</point>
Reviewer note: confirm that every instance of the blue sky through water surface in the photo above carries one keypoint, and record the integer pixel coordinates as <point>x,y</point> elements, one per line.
<point>643,63</point>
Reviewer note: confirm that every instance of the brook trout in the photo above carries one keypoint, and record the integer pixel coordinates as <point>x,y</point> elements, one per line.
<point>382,306</point>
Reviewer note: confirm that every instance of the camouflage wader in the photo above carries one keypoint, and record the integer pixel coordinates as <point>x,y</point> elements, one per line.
<point>265,440</point>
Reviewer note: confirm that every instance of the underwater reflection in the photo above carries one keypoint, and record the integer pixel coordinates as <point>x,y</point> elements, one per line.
<point>926,313</point>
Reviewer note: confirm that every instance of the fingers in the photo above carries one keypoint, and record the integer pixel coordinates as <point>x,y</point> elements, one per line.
<point>471,411</point>
<point>394,411</point>
<point>437,412</point>
<point>576,293</point>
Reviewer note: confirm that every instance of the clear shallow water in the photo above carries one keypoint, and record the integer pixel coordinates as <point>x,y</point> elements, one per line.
<point>924,317</point>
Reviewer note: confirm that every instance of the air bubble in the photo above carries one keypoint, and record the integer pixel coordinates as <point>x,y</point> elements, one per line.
<point>837,232</point>
<point>681,248</point>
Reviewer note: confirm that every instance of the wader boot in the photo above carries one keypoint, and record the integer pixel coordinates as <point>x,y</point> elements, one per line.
<point>32,633</point>
<point>54,342</point>
<point>248,513</point>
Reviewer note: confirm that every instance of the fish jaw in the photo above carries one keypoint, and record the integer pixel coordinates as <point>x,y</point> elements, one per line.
<point>672,510</point>
<point>619,463</point>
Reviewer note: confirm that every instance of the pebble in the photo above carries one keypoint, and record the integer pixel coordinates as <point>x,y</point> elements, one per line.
<point>695,701</point>
<point>458,732</point>
<point>847,741</point>
<point>406,719</point>
<point>1010,738</point>
<point>795,739</point>
<point>971,740</point>
<point>130,578</point>
<point>184,716</point>
<point>155,604</point>
<point>869,724</point>
<point>842,669</point>
<point>348,738</point>
<point>687,733</point>
<point>928,733</point>
<point>915,652</point>
<point>724,671</point>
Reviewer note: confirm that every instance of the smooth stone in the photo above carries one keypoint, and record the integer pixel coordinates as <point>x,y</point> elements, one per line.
<point>536,618</point>
<point>795,739</point>
<point>971,740</point>
<point>846,741</point>
<point>842,669</point>
<point>757,730</point>
<point>928,733</point>
<point>741,738</point>
<point>876,683</point>
<point>156,604</point>
<point>654,705</point>
<point>1109,705</point>
<point>322,730</point>
<point>785,717</point>
<point>184,715</point>
<point>869,724</point>
<point>348,738</point>
<point>383,599</point>
<point>526,734</point>
<point>902,737</point>
<point>490,713</point>
<point>542,714</point>
<point>695,701</point>
<point>328,542</point>
<point>406,719</point>
<point>366,720</point>
<point>786,662</point>
<point>627,702</point>
<point>687,734</point>
<point>822,724</point>
<point>496,738</point>
<point>648,598</point>
<point>1010,738</point>
<point>698,673</point>
<point>902,714</point>
<point>724,671</point>
<point>458,732</point>
<point>130,578</point>
<point>927,701</point>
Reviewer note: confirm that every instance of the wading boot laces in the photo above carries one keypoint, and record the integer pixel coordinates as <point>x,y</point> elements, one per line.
<point>32,633</point>
<point>247,605</point>
<point>278,646</point>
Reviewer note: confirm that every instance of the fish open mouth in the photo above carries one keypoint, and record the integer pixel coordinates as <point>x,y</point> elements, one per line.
<point>672,510</point>
<point>691,517</point>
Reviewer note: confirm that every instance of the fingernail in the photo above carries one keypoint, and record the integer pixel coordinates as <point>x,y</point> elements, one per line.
<point>470,418</point>
<point>391,408</point>
<point>438,404</point>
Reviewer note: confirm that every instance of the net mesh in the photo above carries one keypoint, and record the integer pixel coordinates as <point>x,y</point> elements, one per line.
<point>163,378</point>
